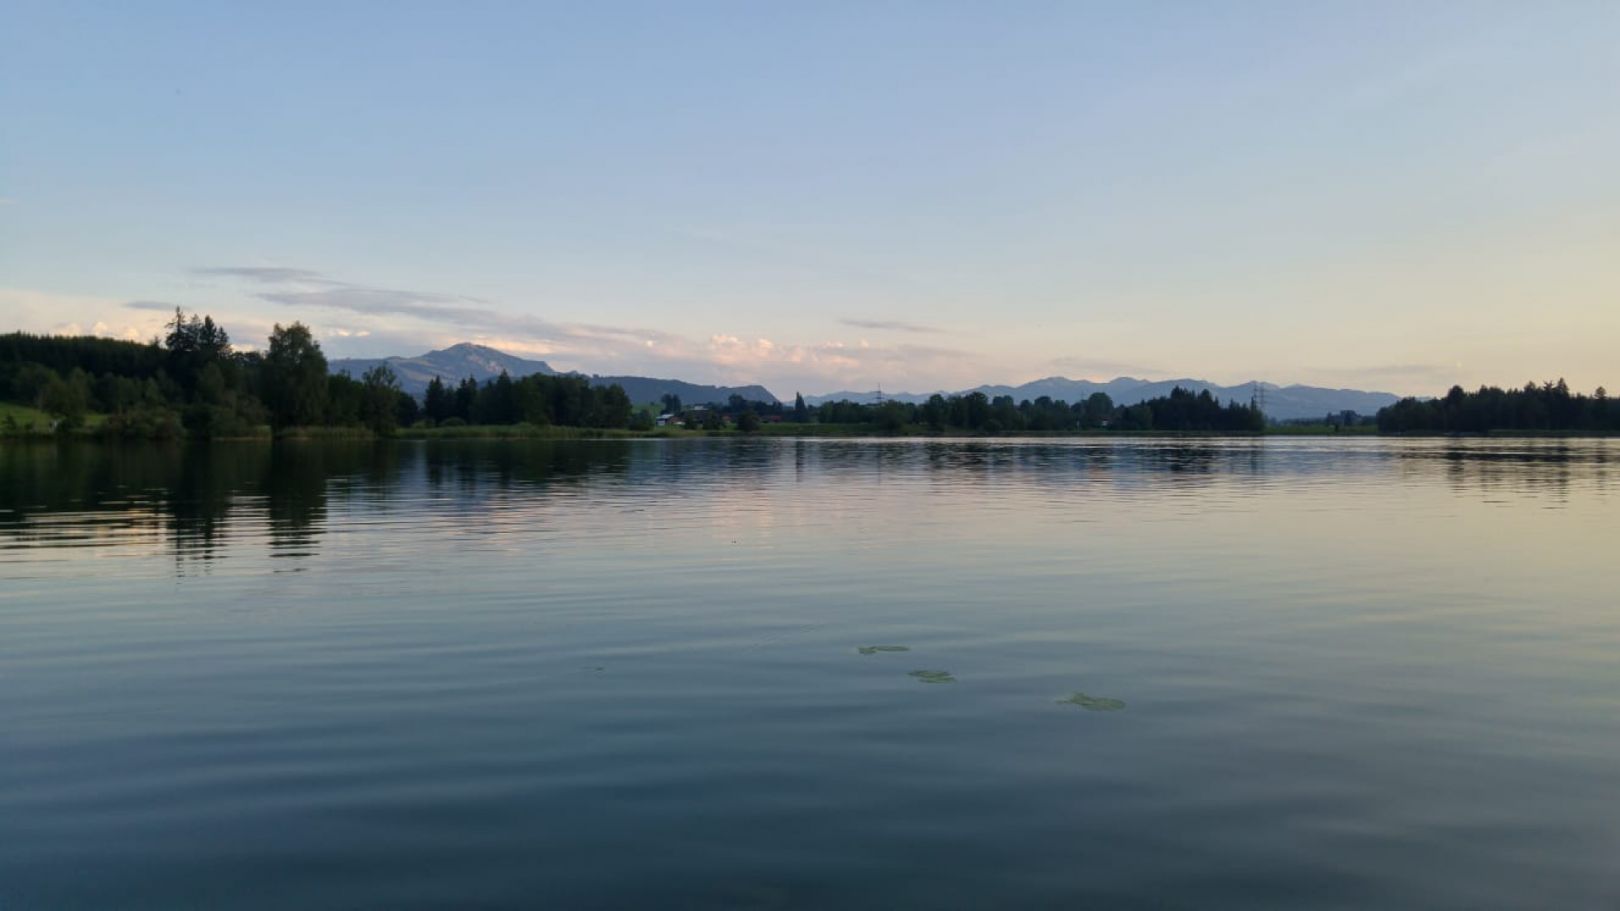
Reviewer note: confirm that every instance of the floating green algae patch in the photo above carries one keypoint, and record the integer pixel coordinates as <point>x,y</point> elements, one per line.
<point>874,649</point>
<point>1093,703</point>
<point>934,676</point>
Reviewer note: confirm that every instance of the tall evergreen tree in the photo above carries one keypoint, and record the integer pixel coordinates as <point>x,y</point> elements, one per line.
<point>466,399</point>
<point>438,403</point>
<point>379,406</point>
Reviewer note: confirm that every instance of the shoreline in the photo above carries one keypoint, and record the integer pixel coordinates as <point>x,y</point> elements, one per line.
<point>508,432</point>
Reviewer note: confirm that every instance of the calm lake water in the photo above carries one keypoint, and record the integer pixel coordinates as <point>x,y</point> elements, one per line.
<point>1349,673</point>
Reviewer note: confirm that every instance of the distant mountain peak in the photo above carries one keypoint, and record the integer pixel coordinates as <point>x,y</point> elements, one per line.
<point>469,348</point>
<point>452,364</point>
<point>481,362</point>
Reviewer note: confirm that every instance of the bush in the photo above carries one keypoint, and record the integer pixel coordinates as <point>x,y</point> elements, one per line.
<point>150,422</point>
<point>67,399</point>
<point>217,422</point>
<point>891,417</point>
<point>452,422</point>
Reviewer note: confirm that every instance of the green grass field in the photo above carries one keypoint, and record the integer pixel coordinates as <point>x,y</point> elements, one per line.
<point>27,417</point>
<point>533,432</point>
<point>24,415</point>
<point>1317,430</point>
<point>787,429</point>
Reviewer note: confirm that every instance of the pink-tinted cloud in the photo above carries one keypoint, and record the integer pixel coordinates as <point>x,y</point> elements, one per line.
<point>445,318</point>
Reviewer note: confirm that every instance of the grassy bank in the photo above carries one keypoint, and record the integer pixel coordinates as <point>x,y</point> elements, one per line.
<point>1322,430</point>
<point>31,423</point>
<point>830,430</point>
<point>23,420</point>
<point>536,432</point>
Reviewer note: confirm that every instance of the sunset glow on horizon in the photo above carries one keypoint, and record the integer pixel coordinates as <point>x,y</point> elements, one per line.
<point>835,196</point>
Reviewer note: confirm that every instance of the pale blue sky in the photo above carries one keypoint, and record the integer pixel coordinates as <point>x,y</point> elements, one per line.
<point>825,195</point>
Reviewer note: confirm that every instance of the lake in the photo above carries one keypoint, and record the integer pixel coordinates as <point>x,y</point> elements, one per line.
<point>1156,673</point>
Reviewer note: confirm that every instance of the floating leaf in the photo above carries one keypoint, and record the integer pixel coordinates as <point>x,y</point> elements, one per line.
<point>1093,703</point>
<point>934,676</point>
<point>874,649</point>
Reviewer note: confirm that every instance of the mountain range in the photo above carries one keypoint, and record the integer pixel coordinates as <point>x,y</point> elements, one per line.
<point>452,364</point>
<point>1281,402</point>
<point>482,362</point>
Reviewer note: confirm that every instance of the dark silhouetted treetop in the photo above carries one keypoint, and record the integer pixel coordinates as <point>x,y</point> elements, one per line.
<point>1548,407</point>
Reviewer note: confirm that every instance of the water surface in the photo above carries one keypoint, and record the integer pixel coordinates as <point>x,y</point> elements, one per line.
<point>782,674</point>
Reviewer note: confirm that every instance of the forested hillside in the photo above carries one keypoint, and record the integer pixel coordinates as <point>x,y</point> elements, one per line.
<point>193,382</point>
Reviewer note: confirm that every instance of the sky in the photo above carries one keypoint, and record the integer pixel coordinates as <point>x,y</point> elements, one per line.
<point>829,196</point>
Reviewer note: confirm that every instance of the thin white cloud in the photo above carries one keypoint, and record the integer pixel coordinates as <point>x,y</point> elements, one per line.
<point>892,326</point>
<point>54,313</point>
<point>384,301</point>
<point>269,275</point>
<point>383,315</point>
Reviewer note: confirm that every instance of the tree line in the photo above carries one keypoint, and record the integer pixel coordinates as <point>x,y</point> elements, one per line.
<point>561,400</point>
<point>1549,407</point>
<point>192,381</point>
<point>1181,411</point>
